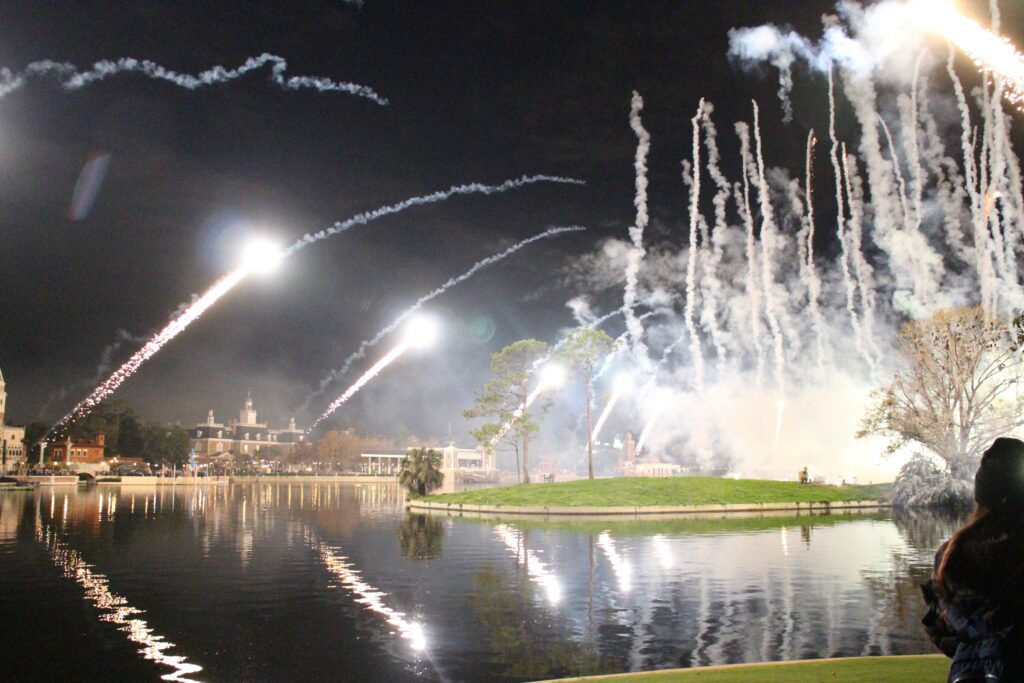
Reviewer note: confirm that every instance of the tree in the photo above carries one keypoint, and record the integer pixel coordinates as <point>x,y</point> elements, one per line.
<point>957,389</point>
<point>420,537</point>
<point>330,448</point>
<point>504,395</point>
<point>585,350</point>
<point>34,433</point>
<point>421,471</point>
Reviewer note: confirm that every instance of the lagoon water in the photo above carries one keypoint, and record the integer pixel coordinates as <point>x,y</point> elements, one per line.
<point>271,581</point>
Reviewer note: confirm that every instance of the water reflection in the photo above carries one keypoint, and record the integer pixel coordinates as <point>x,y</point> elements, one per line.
<point>367,595</point>
<point>244,576</point>
<point>421,537</point>
<point>114,608</point>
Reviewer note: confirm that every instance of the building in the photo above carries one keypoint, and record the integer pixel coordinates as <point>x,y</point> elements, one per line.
<point>12,450</point>
<point>246,436</point>
<point>12,439</point>
<point>72,451</point>
<point>471,463</point>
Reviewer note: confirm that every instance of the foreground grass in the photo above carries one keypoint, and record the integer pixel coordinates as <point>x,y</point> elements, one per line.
<point>642,491</point>
<point>919,668</point>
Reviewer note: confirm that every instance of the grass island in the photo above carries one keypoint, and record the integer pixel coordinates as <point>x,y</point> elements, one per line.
<point>623,493</point>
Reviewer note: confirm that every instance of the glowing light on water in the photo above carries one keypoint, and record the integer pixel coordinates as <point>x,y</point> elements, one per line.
<point>620,565</point>
<point>421,333</point>
<point>258,257</point>
<point>540,573</point>
<point>71,78</point>
<point>663,551</point>
<point>990,52</point>
<point>369,597</point>
<point>114,608</point>
<point>619,387</point>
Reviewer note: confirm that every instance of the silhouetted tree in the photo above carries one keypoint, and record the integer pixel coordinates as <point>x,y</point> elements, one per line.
<point>421,471</point>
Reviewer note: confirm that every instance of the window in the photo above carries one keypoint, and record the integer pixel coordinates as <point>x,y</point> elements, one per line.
<point>220,446</point>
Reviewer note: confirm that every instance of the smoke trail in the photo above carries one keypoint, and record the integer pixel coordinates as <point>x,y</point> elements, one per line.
<point>379,366</point>
<point>845,257</point>
<point>813,281</point>
<point>636,232</point>
<point>477,267</point>
<point>753,291</point>
<point>70,78</point>
<point>713,257</point>
<point>471,188</point>
<point>768,239</point>
<point>862,269</point>
<point>696,351</point>
<point>193,310</point>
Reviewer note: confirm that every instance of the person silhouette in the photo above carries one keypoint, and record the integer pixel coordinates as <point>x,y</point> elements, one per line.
<point>976,596</point>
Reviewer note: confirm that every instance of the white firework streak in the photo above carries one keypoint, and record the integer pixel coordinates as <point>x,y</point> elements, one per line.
<point>195,309</point>
<point>642,441</point>
<point>369,597</point>
<point>114,608</point>
<point>169,332</point>
<point>364,346</point>
<point>540,573</point>
<point>379,366</point>
<point>71,78</point>
<point>517,413</point>
<point>616,394</point>
<point>989,51</point>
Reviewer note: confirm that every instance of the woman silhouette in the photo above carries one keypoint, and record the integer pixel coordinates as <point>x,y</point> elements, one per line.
<point>976,598</point>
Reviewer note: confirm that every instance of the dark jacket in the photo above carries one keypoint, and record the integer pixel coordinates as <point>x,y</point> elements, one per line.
<point>980,612</point>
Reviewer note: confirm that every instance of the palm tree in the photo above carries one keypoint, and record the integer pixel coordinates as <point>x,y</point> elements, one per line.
<point>421,471</point>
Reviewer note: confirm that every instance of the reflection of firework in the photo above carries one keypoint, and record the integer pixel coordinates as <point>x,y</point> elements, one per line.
<point>114,608</point>
<point>368,596</point>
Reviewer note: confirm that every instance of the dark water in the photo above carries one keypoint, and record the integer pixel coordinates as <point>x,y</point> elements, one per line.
<point>264,582</point>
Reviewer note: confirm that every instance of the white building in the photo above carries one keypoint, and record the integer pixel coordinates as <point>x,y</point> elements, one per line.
<point>471,463</point>
<point>12,446</point>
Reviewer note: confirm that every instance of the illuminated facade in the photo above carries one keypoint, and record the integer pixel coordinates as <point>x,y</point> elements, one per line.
<point>246,436</point>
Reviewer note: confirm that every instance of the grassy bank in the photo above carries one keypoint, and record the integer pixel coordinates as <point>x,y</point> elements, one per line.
<point>642,491</point>
<point>876,669</point>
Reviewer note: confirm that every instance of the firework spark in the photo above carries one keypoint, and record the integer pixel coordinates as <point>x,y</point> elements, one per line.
<point>360,353</point>
<point>421,333</point>
<point>619,388</point>
<point>261,257</point>
<point>991,52</point>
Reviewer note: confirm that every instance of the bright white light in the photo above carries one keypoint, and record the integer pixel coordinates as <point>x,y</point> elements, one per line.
<point>261,255</point>
<point>422,331</point>
<point>621,383</point>
<point>552,376</point>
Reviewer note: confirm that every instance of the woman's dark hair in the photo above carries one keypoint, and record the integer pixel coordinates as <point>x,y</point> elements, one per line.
<point>985,558</point>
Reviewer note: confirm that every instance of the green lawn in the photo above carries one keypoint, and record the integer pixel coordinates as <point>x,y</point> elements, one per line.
<point>913,669</point>
<point>639,491</point>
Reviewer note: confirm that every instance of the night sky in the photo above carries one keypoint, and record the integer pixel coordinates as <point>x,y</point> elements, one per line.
<point>479,91</point>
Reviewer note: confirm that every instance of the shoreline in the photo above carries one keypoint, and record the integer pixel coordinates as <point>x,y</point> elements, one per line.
<point>822,507</point>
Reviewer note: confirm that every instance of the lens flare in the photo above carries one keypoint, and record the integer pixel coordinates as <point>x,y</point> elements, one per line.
<point>990,52</point>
